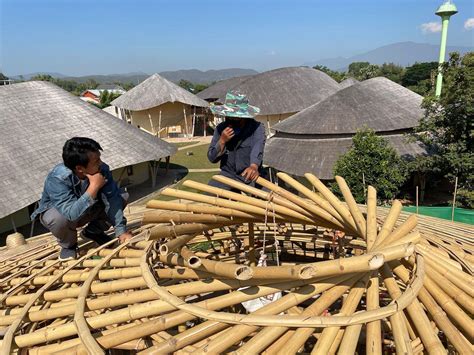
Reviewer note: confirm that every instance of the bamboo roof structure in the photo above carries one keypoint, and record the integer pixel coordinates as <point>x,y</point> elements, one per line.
<point>37,117</point>
<point>278,91</point>
<point>156,91</point>
<point>313,139</point>
<point>386,282</point>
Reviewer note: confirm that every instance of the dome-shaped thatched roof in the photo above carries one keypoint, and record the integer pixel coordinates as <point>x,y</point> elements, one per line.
<point>284,90</point>
<point>348,82</point>
<point>298,156</point>
<point>218,90</point>
<point>156,91</point>
<point>378,103</point>
<point>313,139</point>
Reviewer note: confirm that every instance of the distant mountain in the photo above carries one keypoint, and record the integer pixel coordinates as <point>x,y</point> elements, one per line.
<point>134,78</point>
<point>30,75</point>
<point>192,75</point>
<point>206,77</point>
<point>402,53</point>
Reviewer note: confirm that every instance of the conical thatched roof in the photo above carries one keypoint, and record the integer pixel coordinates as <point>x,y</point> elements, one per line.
<point>37,118</point>
<point>313,139</point>
<point>348,82</point>
<point>218,90</point>
<point>378,103</point>
<point>284,90</point>
<point>156,91</point>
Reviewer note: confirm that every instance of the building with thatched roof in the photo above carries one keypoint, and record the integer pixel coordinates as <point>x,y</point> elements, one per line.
<point>37,118</point>
<point>347,82</point>
<point>217,91</point>
<point>161,108</point>
<point>279,93</point>
<point>313,139</point>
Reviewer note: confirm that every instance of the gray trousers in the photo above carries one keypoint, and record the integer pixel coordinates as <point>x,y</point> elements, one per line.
<point>65,231</point>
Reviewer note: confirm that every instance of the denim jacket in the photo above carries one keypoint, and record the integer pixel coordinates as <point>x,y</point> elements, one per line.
<point>62,191</point>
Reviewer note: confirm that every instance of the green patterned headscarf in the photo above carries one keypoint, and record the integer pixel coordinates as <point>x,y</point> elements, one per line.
<point>236,105</point>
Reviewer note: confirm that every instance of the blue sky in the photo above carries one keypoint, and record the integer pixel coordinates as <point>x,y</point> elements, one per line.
<point>79,37</point>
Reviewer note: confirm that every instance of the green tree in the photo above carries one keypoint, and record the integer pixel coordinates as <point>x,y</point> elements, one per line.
<point>363,70</point>
<point>3,79</point>
<point>200,87</point>
<point>42,77</point>
<point>368,72</point>
<point>106,97</point>
<point>447,126</point>
<point>392,71</point>
<point>372,159</point>
<point>336,75</point>
<point>185,84</point>
<point>420,77</point>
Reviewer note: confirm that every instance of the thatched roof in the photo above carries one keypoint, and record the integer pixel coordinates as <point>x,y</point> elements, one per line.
<point>378,103</point>
<point>156,91</point>
<point>37,118</point>
<point>218,90</point>
<point>284,90</point>
<point>313,139</point>
<point>298,156</point>
<point>348,82</point>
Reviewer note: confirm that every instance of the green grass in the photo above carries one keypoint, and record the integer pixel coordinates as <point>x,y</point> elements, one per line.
<point>196,161</point>
<point>183,144</point>
<point>199,177</point>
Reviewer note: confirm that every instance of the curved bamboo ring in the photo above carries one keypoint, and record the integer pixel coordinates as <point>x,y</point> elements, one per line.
<point>8,337</point>
<point>294,321</point>
<point>79,320</point>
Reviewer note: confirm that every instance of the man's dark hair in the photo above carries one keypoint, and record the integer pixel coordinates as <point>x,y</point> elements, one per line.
<point>75,151</point>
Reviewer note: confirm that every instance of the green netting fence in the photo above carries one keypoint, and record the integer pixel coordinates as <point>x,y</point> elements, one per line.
<point>460,214</point>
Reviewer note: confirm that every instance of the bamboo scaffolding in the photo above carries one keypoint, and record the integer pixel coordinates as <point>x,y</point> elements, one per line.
<point>179,295</point>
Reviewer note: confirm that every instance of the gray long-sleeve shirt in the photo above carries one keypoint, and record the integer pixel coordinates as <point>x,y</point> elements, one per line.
<point>242,150</point>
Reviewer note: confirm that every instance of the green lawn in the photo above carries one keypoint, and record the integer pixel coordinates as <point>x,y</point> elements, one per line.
<point>183,144</point>
<point>198,159</point>
<point>199,177</point>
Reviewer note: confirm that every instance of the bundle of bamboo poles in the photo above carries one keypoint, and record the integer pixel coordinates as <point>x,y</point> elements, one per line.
<point>383,283</point>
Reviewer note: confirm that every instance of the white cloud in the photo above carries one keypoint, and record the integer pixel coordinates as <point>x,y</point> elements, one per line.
<point>430,27</point>
<point>272,52</point>
<point>469,24</point>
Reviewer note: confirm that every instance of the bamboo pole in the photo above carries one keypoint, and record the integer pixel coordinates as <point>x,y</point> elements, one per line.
<point>167,217</point>
<point>322,303</point>
<point>352,205</point>
<point>238,332</point>
<point>321,202</point>
<point>260,193</point>
<point>149,306</point>
<point>418,317</point>
<point>333,200</point>
<point>350,339</point>
<point>174,244</point>
<point>431,304</point>
<point>328,336</point>
<point>373,329</point>
<point>399,232</point>
<point>225,203</point>
<point>245,199</point>
<point>324,218</point>
<point>169,320</point>
<point>191,207</point>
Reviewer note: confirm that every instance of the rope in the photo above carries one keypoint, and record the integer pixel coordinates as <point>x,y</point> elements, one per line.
<point>263,256</point>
